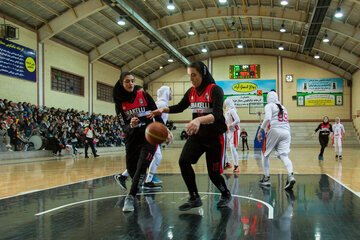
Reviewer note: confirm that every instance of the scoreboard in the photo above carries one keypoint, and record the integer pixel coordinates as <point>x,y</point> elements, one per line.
<point>244,71</point>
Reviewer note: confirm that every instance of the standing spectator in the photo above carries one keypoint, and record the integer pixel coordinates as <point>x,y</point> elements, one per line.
<point>244,136</point>
<point>90,133</point>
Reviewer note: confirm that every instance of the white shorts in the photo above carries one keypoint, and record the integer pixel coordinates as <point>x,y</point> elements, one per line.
<point>233,138</point>
<point>278,139</point>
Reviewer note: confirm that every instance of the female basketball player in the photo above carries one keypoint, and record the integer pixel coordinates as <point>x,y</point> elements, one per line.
<point>277,137</point>
<point>325,130</point>
<point>131,109</point>
<point>206,133</point>
<point>339,135</point>
<point>232,135</point>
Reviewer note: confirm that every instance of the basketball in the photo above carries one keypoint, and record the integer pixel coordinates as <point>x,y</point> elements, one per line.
<point>156,133</point>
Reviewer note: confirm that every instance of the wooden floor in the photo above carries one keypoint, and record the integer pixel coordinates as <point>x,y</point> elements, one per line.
<point>26,175</point>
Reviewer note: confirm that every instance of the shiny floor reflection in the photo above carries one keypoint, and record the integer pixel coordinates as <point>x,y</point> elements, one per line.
<point>318,208</point>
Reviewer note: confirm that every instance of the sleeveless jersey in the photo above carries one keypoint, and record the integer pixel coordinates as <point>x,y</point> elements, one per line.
<point>325,129</point>
<point>139,108</point>
<point>201,105</point>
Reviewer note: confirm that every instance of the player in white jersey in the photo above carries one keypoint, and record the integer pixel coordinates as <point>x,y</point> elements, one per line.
<point>339,135</point>
<point>164,95</point>
<point>233,124</point>
<point>277,137</point>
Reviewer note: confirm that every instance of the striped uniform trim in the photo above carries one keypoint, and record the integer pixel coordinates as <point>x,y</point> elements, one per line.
<point>236,139</point>
<point>223,146</point>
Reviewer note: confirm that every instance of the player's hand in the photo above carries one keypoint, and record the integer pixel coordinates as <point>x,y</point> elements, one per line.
<point>259,136</point>
<point>134,122</point>
<point>170,137</point>
<point>193,127</point>
<point>156,112</point>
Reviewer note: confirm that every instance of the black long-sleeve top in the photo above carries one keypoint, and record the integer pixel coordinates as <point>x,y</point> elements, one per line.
<point>137,134</point>
<point>325,129</point>
<point>215,128</point>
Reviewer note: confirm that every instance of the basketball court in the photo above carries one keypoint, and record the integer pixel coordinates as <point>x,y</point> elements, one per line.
<point>48,205</point>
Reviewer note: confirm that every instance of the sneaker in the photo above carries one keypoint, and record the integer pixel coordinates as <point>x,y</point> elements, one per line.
<point>236,169</point>
<point>96,155</point>
<point>290,182</point>
<point>191,204</point>
<point>321,158</point>
<point>86,156</point>
<point>340,157</point>
<point>150,186</point>
<point>121,181</point>
<point>156,180</point>
<point>227,166</point>
<point>224,201</point>
<point>336,156</point>
<point>265,181</point>
<point>129,204</point>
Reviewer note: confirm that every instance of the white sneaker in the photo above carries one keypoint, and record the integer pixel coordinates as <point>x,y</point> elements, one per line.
<point>290,182</point>
<point>129,204</point>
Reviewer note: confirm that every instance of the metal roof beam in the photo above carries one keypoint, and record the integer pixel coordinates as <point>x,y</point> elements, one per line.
<point>138,22</point>
<point>68,18</point>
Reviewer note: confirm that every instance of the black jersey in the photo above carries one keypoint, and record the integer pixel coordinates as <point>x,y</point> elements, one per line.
<point>325,129</point>
<point>210,101</point>
<point>140,107</point>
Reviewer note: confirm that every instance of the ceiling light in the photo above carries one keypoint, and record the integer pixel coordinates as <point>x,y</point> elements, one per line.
<point>282,29</point>
<point>284,3</point>
<point>170,59</point>
<point>222,1</point>
<point>338,13</point>
<point>121,21</point>
<point>191,32</point>
<point>326,39</point>
<point>281,47</point>
<point>170,5</point>
<point>204,49</point>
<point>240,45</point>
<point>317,56</point>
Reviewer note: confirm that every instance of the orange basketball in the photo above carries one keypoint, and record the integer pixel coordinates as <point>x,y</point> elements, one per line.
<point>156,133</point>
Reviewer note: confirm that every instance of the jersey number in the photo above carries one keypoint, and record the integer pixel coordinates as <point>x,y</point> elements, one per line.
<point>283,117</point>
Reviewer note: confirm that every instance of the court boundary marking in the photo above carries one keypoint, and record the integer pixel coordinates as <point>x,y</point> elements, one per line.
<point>343,184</point>
<point>270,208</point>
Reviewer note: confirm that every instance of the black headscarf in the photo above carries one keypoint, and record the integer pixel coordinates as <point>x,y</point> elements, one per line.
<point>205,74</point>
<point>119,92</point>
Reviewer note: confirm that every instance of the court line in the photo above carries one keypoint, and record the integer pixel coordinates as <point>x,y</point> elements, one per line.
<point>343,184</point>
<point>270,215</point>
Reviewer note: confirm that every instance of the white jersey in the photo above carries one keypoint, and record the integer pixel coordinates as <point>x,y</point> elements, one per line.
<point>274,119</point>
<point>338,130</point>
<point>232,119</point>
<point>163,96</point>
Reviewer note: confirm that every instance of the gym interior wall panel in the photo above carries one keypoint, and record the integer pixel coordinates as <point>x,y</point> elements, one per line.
<point>71,61</point>
<point>16,89</point>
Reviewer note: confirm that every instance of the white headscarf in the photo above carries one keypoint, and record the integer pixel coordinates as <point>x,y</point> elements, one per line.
<point>272,97</point>
<point>229,103</point>
<point>163,95</point>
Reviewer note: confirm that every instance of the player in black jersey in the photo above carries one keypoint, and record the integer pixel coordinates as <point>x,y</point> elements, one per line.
<point>132,106</point>
<point>325,130</point>
<point>206,133</point>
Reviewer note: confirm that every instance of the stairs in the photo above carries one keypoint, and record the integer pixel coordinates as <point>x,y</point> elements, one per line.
<point>300,134</point>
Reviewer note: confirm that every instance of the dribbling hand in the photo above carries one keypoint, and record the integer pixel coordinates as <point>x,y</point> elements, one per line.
<point>170,137</point>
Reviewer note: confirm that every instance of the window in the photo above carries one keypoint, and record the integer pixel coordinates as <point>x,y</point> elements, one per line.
<point>104,92</point>
<point>66,82</point>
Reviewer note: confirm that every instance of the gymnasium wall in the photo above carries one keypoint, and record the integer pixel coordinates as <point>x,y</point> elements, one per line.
<point>71,61</point>
<point>305,70</point>
<point>9,85</point>
<point>269,70</point>
<point>356,99</point>
<point>62,57</point>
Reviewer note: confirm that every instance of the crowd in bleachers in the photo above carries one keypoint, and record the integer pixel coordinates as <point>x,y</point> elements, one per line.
<point>54,126</point>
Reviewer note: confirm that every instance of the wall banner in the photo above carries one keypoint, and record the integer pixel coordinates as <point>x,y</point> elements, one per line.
<point>320,92</point>
<point>17,61</point>
<point>248,91</point>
